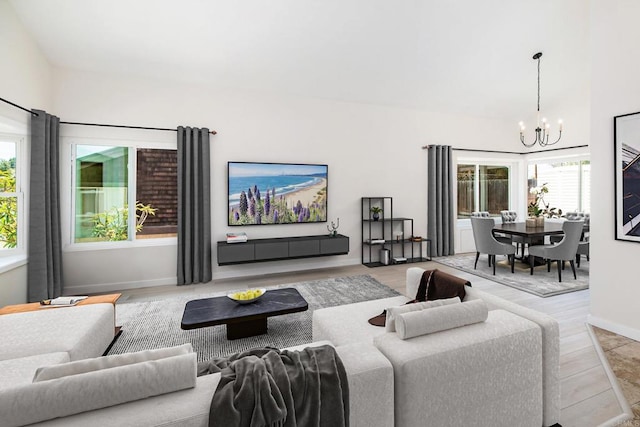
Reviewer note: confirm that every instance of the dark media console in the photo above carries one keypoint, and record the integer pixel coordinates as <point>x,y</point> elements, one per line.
<point>259,250</point>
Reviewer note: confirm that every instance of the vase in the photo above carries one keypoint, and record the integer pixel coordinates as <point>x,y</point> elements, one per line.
<point>376,216</point>
<point>530,222</point>
<point>540,221</point>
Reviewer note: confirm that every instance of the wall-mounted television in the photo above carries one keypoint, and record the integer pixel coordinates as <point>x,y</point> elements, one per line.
<point>276,193</point>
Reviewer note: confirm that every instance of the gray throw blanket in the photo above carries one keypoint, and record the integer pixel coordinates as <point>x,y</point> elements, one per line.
<point>266,387</point>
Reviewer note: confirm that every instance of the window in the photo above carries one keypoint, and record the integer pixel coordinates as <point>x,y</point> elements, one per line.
<point>568,182</point>
<point>11,206</point>
<point>112,204</point>
<point>482,188</point>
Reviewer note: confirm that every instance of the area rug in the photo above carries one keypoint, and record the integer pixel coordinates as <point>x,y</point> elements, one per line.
<point>156,324</point>
<point>542,283</point>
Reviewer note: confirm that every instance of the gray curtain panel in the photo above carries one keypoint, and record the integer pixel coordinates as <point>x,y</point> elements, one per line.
<point>194,206</point>
<point>44,269</point>
<point>440,199</point>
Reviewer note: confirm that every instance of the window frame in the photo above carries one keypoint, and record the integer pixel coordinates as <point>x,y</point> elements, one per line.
<point>512,167</point>
<point>578,158</point>
<point>21,248</point>
<point>68,153</point>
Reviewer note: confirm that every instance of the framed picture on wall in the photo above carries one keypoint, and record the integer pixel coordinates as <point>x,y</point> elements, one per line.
<point>627,176</point>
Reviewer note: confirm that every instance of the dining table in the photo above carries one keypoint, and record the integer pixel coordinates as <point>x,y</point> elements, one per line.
<point>530,235</point>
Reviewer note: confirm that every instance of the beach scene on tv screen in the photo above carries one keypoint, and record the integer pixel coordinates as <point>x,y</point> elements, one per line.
<point>276,193</point>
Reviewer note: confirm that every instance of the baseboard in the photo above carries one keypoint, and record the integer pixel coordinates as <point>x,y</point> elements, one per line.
<point>619,329</point>
<point>627,412</point>
<point>219,273</point>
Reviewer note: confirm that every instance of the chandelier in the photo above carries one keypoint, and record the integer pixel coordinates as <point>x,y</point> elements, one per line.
<point>542,127</point>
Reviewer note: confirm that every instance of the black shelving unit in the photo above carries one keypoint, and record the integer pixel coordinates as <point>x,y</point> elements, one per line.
<point>388,233</point>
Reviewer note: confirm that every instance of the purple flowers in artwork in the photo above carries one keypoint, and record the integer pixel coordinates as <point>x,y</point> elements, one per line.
<point>263,207</point>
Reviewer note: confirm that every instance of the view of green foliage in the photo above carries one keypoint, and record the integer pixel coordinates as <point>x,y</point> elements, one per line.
<point>112,225</point>
<point>8,205</point>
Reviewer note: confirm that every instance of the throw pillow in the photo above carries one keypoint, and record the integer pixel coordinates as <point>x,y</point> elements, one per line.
<point>98,363</point>
<point>416,323</point>
<point>393,312</point>
<point>73,394</point>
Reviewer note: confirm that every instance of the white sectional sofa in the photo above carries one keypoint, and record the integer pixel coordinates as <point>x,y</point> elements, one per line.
<point>500,372</point>
<point>76,387</point>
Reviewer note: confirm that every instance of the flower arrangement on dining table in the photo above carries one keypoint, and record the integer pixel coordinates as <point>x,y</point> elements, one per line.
<point>535,210</point>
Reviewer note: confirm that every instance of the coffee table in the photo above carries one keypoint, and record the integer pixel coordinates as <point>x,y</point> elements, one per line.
<point>242,320</point>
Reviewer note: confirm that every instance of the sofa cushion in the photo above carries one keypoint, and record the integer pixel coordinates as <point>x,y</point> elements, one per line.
<point>345,324</point>
<point>73,394</point>
<point>393,312</point>
<point>488,373</point>
<point>87,365</point>
<point>21,370</point>
<point>185,408</point>
<point>82,331</point>
<point>416,323</point>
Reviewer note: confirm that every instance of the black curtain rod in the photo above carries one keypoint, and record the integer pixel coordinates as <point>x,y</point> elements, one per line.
<point>17,106</point>
<point>212,132</point>
<point>424,147</point>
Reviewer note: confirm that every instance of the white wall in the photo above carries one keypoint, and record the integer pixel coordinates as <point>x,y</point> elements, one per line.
<point>24,80</point>
<point>615,290</point>
<point>370,150</point>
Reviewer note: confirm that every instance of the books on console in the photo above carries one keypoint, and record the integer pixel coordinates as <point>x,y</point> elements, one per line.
<point>62,301</point>
<point>236,237</point>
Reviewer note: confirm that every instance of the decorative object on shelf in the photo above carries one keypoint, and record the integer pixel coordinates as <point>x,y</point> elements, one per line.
<point>237,238</point>
<point>542,128</point>
<point>333,229</point>
<point>398,236</point>
<point>416,238</point>
<point>376,211</point>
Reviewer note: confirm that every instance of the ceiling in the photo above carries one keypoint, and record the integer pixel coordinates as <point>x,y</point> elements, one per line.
<point>460,56</point>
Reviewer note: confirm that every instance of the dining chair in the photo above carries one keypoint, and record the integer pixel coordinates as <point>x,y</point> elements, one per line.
<point>575,216</point>
<point>510,217</point>
<point>565,250</point>
<point>583,249</point>
<point>486,243</point>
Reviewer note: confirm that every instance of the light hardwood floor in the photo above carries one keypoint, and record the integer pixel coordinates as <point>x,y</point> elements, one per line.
<point>587,396</point>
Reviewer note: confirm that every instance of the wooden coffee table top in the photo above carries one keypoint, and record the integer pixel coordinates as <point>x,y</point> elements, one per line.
<point>222,310</point>
<point>33,306</point>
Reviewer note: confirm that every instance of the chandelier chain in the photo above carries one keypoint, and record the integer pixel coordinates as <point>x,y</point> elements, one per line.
<point>538,84</point>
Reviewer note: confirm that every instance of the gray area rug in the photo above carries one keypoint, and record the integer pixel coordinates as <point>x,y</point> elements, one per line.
<point>156,324</point>
<point>542,283</point>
